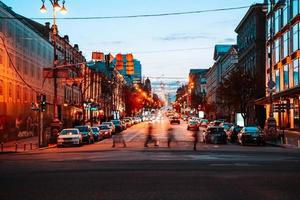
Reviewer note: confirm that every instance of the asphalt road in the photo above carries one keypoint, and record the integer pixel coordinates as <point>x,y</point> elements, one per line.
<point>99,171</point>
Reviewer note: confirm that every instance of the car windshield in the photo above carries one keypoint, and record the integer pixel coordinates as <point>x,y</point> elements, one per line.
<point>216,130</point>
<point>82,128</point>
<point>69,132</point>
<point>103,127</point>
<point>95,129</point>
<point>193,122</point>
<point>251,130</point>
<point>115,121</point>
<point>106,123</point>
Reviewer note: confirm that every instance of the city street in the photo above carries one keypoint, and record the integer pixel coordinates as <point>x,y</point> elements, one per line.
<point>99,171</point>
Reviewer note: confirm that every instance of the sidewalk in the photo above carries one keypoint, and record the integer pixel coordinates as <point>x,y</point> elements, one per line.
<point>21,145</point>
<point>291,139</point>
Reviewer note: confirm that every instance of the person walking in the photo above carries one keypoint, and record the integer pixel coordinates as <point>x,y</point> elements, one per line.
<point>150,138</point>
<point>118,138</point>
<point>195,135</point>
<point>171,136</point>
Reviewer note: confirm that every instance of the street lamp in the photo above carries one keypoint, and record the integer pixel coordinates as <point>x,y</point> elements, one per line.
<point>271,122</point>
<point>56,124</point>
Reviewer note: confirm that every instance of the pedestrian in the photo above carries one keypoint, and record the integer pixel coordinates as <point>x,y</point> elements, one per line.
<point>118,138</point>
<point>171,136</point>
<point>195,135</point>
<point>150,138</point>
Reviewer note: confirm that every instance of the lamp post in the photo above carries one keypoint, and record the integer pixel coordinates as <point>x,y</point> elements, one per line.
<point>56,124</point>
<point>271,122</point>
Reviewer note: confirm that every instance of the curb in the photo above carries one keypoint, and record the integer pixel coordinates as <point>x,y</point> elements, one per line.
<point>48,147</point>
<point>282,145</point>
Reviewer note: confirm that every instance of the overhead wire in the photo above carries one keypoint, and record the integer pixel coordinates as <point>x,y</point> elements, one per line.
<point>132,16</point>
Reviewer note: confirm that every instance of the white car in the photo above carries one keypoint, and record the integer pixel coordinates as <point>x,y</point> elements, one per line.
<point>111,126</point>
<point>69,136</point>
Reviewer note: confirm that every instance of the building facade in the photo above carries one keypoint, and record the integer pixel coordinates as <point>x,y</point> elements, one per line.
<point>214,78</point>
<point>23,54</point>
<point>252,56</point>
<point>26,49</point>
<point>285,62</point>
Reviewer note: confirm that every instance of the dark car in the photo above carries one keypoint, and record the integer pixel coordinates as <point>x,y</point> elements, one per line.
<point>232,133</point>
<point>215,134</point>
<point>118,125</point>
<point>87,134</point>
<point>174,120</point>
<point>251,134</point>
<point>96,133</point>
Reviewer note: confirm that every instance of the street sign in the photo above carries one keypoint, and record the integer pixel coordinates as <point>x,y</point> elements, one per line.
<point>271,84</point>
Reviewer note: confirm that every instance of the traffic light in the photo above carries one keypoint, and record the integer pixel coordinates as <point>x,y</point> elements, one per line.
<point>43,103</point>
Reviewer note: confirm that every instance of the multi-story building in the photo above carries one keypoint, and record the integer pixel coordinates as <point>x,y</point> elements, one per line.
<point>135,78</point>
<point>285,21</point>
<point>30,50</point>
<point>23,54</point>
<point>111,92</point>
<point>214,78</point>
<point>198,77</point>
<point>251,55</point>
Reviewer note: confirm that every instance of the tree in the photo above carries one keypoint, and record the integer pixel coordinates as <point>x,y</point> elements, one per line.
<point>237,92</point>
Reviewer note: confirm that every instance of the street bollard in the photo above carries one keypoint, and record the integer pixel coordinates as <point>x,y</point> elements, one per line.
<point>2,146</point>
<point>16,147</point>
<point>24,147</point>
<point>286,140</point>
<point>281,140</point>
<point>30,146</point>
<point>298,143</point>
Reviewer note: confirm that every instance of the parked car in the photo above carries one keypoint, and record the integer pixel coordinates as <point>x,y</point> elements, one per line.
<point>96,132</point>
<point>124,127</point>
<point>105,131</point>
<point>226,125</point>
<point>251,134</point>
<point>214,134</point>
<point>204,122</point>
<point>111,126</point>
<point>69,136</point>
<point>118,125</point>
<point>127,122</point>
<point>232,133</point>
<point>175,120</point>
<point>193,125</point>
<point>87,134</point>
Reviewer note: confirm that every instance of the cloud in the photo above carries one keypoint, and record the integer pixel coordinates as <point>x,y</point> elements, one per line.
<point>184,36</point>
<point>228,40</point>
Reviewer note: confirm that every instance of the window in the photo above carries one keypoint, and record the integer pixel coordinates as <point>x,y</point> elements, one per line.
<point>296,37</point>
<point>18,96</point>
<point>10,90</point>
<point>286,44</point>
<point>1,56</point>
<point>277,80</point>
<point>277,20</point>
<point>1,87</point>
<point>286,77</point>
<point>277,50</point>
<point>295,7</point>
<point>25,94</point>
<point>296,72</point>
<point>285,14</point>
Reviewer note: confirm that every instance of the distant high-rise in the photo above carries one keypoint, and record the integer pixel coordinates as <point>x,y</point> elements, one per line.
<point>137,75</point>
